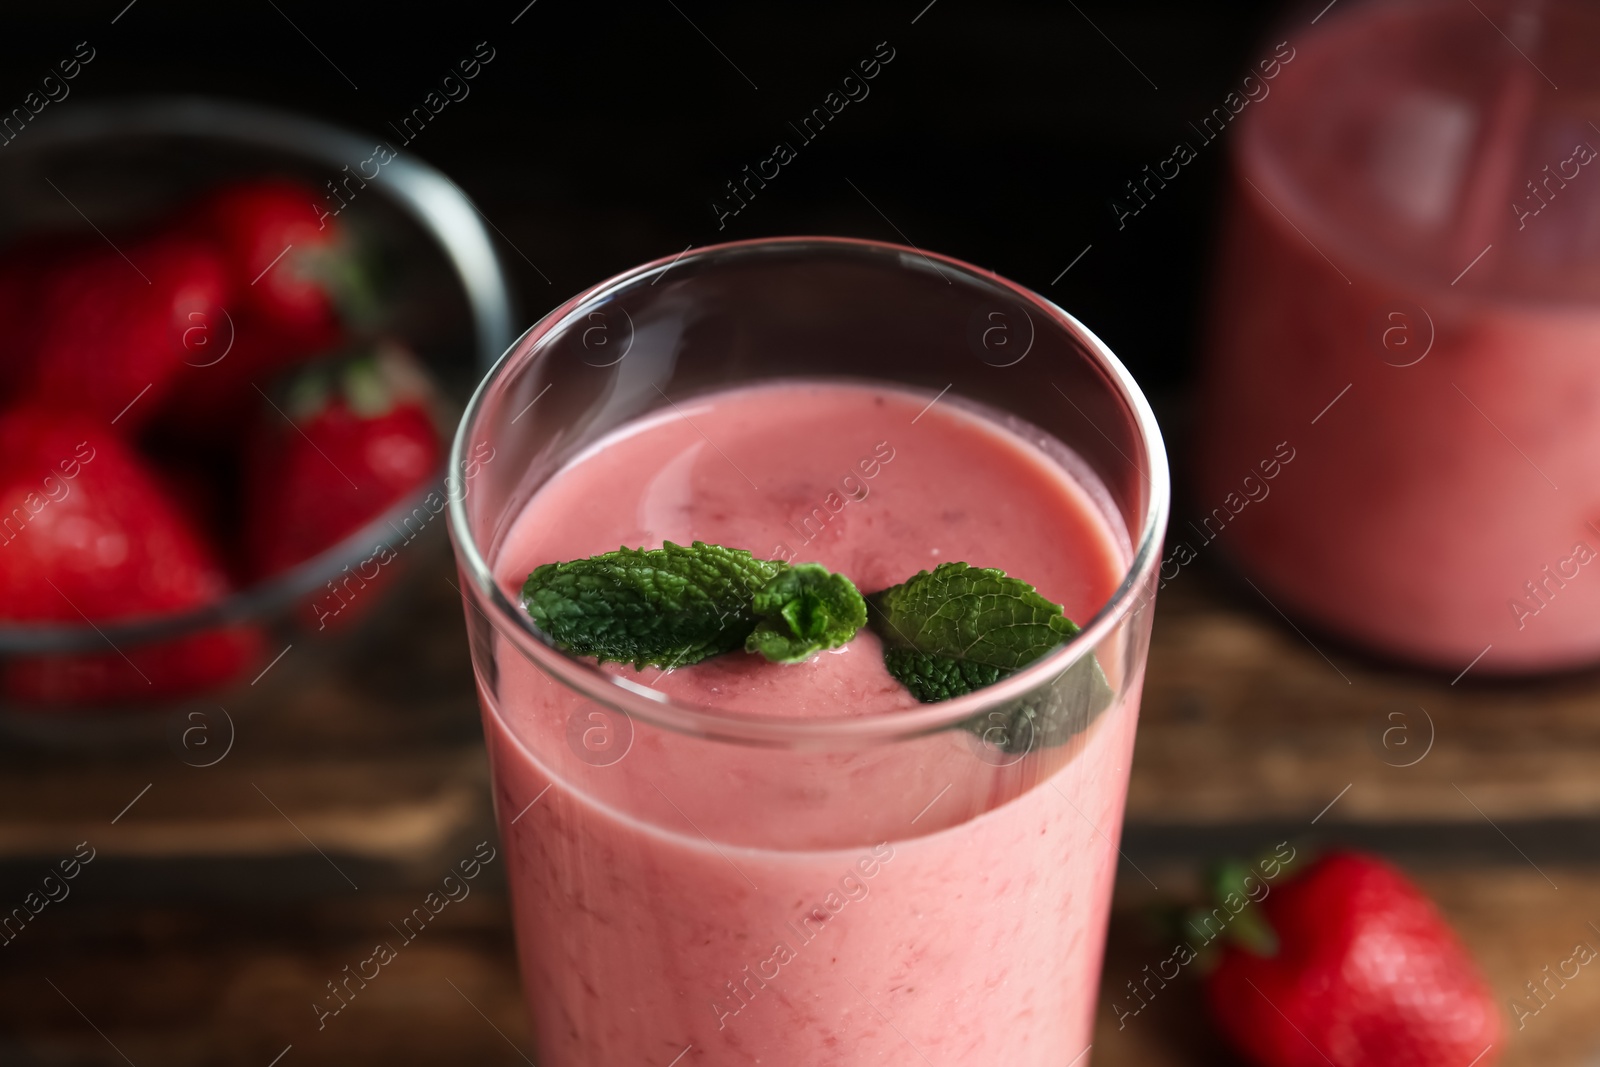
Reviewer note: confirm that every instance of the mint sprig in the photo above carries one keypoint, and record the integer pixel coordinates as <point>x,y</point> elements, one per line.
<point>957,628</point>
<point>676,605</point>
<point>946,632</point>
<point>805,609</point>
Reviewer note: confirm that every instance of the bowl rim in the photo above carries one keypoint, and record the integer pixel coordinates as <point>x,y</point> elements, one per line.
<point>636,700</point>
<point>439,207</point>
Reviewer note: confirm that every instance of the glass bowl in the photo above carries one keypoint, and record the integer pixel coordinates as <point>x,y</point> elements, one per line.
<point>102,167</point>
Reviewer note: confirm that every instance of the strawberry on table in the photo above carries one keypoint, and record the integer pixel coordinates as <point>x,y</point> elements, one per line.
<point>1366,973</point>
<point>87,533</point>
<point>108,332</point>
<point>362,437</point>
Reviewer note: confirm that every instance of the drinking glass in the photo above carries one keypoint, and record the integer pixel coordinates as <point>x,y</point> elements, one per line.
<point>706,886</point>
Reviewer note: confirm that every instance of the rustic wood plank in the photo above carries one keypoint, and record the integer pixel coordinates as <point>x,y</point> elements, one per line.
<point>367,744</point>
<point>179,984</point>
<point>1245,720</point>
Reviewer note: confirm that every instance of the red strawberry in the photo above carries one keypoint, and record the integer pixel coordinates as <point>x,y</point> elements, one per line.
<point>86,533</point>
<point>114,332</point>
<point>363,436</point>
<point>290,268</point>
<point>288,257</point>
<point>1366,974</point>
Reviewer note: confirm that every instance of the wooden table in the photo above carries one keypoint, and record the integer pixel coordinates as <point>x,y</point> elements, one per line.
<point>207,919</point>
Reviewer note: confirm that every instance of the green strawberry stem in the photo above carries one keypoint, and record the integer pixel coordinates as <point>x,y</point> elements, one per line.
<point>1233,914</point>
<point>1250,930</point>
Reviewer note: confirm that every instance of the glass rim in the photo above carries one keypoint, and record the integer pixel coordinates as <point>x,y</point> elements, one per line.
<point>639,701</point>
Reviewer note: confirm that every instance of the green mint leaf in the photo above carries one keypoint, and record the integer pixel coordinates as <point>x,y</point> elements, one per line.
<point>1053,714</point>
<point>934,678</point>
<point>958,628</point>
<point>1060,710</point>
<point>971,613</point>
<point>666,607</point>
<point>804,610</point>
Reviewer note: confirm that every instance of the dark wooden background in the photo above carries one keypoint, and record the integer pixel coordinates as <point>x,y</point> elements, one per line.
<point>598,137</point>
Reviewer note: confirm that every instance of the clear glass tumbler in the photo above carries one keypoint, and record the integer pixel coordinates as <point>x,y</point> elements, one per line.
<point>697,885</point>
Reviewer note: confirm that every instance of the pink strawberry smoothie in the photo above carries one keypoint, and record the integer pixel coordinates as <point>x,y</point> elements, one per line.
<point>1409,296</point>
<point>896,904</point>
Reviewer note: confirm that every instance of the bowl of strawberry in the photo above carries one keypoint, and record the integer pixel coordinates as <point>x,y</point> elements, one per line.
<point>224,392</point>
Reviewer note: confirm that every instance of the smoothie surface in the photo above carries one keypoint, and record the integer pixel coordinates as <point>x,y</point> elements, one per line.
<point>869,481</point>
